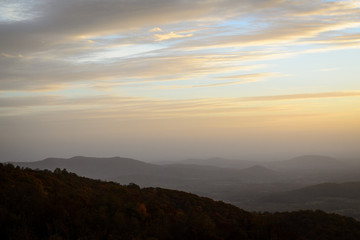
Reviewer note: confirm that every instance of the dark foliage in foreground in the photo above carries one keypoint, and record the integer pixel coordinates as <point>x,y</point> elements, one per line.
<point>61,205</point>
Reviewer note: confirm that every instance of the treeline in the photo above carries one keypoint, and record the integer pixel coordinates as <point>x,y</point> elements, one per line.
<point>60,205</point>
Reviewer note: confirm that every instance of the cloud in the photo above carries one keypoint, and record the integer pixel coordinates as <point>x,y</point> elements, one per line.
<point>93,45</point>
<point>107,105</point>
<point>14,11</point>
<point>171,35</point>
<point>102,71</point>
<point>327,69</point>
<point>303,96</point>
<point>245,78</point>
<point>207,85</point>
<point>276,34</point>
<point>341,41</point>
<point>251,76</point>
<point>160,67</point>
<point>156,29</point>
<point>58,22</point>
<point>11,56</point>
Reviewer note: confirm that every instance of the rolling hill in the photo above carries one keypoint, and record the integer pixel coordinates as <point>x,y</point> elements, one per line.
<point>215,162</point>
<point>241,187</point>
<point>309,162</point>
<point>341,198</point>
<point>37,204</point>
<point>97,168</point>
<point>178,176</point>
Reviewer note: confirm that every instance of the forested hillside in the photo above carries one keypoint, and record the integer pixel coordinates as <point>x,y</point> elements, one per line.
<point>340,198</point>
<point>60,205</point>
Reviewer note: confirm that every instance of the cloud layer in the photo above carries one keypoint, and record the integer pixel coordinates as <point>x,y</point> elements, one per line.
<point>156,59</point>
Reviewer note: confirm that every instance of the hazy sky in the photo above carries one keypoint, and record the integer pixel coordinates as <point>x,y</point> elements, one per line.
<point>166,79</point>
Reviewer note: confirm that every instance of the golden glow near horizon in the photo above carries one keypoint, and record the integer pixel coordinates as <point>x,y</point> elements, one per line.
<point>200,78</point>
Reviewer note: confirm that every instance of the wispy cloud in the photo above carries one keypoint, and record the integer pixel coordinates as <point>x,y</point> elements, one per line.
<point>171,35</point>
<point>219,70</point>
<point>327,69</point>
<point>244,78</point>
<point>11,56</point>
<point>64,49</point>
<point>304,96</point>
<point>156,29</point>
<point>251,76</point>
<point>136,106</point>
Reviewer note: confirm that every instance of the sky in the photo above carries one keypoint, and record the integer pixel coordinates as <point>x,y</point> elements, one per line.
<point>176,79</point>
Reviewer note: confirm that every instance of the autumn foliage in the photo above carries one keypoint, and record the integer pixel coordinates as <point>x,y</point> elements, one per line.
<point>60,205</point>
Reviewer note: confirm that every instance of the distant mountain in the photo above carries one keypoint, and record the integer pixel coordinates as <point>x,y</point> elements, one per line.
<point>315,169</point>
<point>300,162</point>
<point>97,168</point>
<point>233,185</point>
<point>341,198</point>
<point>260,172</point>
<point>350,190</point>
<point>306,164</point>
<point>126,170</point>
<point>255,174</point>
<point>216,162</point>
<point>227,184</point>
<point>38,204</point>
<point>313,162</point>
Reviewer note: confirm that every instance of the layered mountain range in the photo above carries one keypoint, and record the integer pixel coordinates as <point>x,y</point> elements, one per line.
<point>250,185</point>
<point>41,204</point>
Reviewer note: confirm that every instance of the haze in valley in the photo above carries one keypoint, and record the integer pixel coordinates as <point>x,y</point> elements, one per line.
<point>305,182</point>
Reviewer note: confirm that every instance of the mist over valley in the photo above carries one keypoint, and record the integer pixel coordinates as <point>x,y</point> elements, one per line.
<point>255,186</point>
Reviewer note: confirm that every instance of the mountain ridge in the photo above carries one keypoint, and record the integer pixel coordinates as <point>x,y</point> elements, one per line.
<point>341,198</point>
<point>62,205</point>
